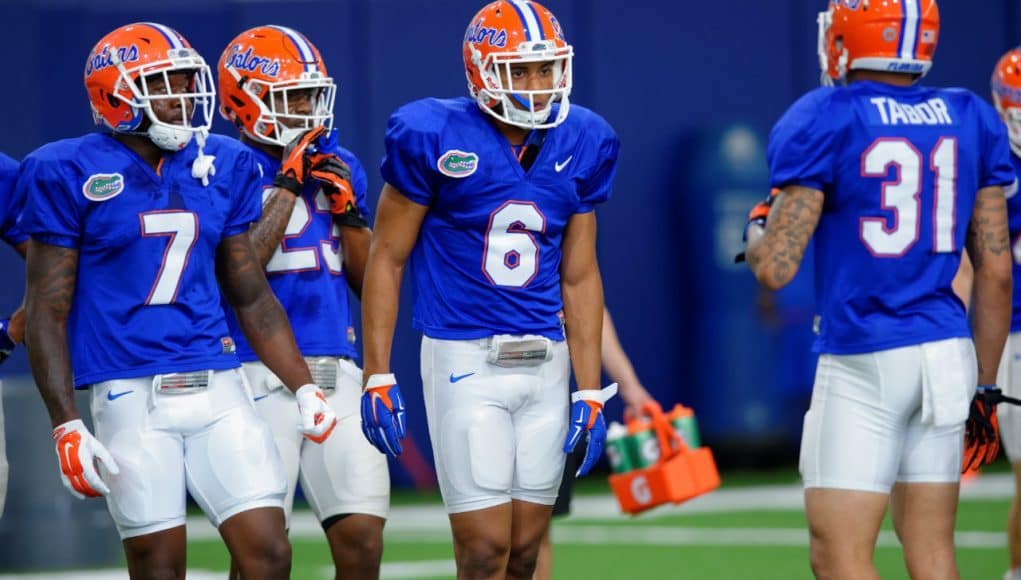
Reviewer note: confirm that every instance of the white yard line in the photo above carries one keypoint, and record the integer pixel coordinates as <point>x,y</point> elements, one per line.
<point>428,523</point>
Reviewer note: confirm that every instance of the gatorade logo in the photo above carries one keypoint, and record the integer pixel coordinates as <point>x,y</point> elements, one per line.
<point>640,490</point>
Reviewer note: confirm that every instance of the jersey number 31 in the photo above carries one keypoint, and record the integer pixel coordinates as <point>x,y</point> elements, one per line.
<point>902,196</point>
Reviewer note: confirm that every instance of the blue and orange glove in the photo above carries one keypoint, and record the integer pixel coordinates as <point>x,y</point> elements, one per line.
<point>587,419</point>
<point>7,344</point>
<point>757,217</point>
<point>982,429</point>
<point>383,414</point>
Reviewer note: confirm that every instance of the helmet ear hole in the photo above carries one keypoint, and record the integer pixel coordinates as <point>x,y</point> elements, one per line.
<point>113,101</point>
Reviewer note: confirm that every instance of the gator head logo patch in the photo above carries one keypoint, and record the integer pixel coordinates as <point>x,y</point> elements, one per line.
<point>457,163</point>
<point>103,186</point>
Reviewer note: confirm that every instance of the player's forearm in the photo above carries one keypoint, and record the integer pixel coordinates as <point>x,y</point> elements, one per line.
<point>991,301</point>
<point>583,315</point>
<point>51,273</point>
<point>379,311</point>
<point>355,242</point>
<point>49,357</point>
<point>775,253</point>
<point>268,331</point>
<point>615,361</point>
<point>267,233</point>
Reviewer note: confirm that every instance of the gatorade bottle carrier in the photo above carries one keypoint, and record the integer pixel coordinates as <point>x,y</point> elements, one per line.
<point>679,474</point>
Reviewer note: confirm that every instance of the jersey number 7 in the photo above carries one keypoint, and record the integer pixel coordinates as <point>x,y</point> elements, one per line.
<point>181,227</point>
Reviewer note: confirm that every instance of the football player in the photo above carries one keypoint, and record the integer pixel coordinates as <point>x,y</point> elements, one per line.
<point>312,240</point>
<point>1006,88</point>
<point>893,179</point>
<point>12,329</point>
<point>490,200</point>
<point>135,232</point>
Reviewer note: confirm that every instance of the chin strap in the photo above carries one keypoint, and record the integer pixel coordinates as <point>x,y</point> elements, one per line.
<point>202,168</point>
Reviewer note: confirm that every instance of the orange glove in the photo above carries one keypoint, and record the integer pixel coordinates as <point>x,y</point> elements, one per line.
<point>296,164</point>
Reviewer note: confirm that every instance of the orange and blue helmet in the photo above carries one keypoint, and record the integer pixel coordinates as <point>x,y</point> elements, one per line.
<point>1006,85</point>
<point>508,32</point>
<point>120,70</point>
<point>263,63</point>
<point>883,35</point>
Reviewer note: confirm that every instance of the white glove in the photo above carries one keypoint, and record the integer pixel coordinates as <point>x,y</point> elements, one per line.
<point>317,418</point>
<point>78,451</point>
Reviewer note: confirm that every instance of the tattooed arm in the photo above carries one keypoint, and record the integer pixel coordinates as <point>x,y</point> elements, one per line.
<point>988,247</point>
<point>52,272</point>
<point>775,253</point>
<point>259,313</point>
<point>269,230</point>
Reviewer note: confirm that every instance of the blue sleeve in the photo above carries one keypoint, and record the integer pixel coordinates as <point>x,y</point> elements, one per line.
<point>247,192</point>
<point>406,164</point>
<point>53,206</point>
<point>802,146</point>
<point>997,168</point>
<point>596,188</point>
<point>12,203</point>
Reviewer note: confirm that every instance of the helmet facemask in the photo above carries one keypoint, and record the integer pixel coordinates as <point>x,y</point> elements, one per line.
<point>825,21</point>
<point>517,107</point>
<point>1010,112</point>
<point>200,97</point>
<point>280,127</point>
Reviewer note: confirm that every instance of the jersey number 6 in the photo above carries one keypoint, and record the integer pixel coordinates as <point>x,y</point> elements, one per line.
<point>511,254</point>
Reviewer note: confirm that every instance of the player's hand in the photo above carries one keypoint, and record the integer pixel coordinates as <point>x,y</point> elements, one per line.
<point>587,419</point>
<point>78,451</point>
<point>335,176</point>
<point>317,417</point>
<point>635,398</point>
<point>982,429</point>
<point>7,343</point>
<point>757,219</point>
<point>383,414</point>
<point>296,163</point>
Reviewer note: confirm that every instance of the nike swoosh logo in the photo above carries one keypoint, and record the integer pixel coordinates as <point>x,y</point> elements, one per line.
<point>260,397</point>
<point>110,395</point>
<point>560,166</point>
<point>454,379</point>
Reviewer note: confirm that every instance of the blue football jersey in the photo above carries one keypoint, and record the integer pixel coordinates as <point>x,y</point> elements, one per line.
<point>900,168</point>
<point>306,272</point>
<point>147,300</point>
<point>12,202</point>
<point>1014,214</point>
<point>487,259</point>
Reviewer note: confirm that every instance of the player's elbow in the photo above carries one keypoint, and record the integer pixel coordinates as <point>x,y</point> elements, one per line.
<point>994,273</point>
<point>773,276</point>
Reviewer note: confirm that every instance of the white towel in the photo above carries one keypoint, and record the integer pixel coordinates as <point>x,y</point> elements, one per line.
<point>948,381</point>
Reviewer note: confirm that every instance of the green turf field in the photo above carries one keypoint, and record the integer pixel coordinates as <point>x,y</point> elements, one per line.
<point>725,543</point>
<point>752,528</point>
